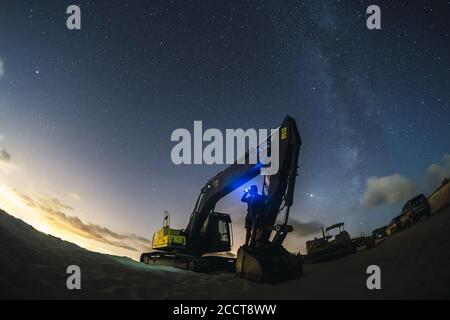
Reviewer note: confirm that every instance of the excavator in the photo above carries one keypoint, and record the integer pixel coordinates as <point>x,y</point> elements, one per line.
<point>209,231</point>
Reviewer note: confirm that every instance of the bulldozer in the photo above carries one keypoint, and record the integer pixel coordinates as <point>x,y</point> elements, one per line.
<point>210,232</point>
<point>330,246</point>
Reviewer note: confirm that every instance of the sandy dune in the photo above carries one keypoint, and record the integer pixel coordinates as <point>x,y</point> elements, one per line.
<point>414,264</point>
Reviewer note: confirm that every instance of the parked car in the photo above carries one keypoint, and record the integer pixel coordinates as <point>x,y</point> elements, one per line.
<point>414,209</point>
<point>394,226</point>
<point>380,232</point>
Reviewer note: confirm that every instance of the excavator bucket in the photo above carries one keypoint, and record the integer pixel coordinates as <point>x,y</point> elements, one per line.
<point>267,264</point>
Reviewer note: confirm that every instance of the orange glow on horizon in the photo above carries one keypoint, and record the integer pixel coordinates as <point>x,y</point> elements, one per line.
<point>14,205</point>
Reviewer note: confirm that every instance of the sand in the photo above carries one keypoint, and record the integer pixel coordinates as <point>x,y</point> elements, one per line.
<point>414,264</point>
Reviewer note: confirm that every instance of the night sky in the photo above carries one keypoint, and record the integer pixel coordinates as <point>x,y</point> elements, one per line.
<point>86,116</point>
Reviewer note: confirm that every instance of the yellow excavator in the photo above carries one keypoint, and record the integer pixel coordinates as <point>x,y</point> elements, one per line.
<point>209,231</point>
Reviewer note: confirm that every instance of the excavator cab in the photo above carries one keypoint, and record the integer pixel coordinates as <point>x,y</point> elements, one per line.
<point>341,235</point>
<point>217,232</point>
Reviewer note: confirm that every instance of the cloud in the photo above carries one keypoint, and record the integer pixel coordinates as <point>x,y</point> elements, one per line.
<point>4,155</point>
<point>52,211</point>
<point>396,189</point>
<point>6,164</point>
<point>435,173</point>
<point>391,189</point>
<point>303,229</point>
<point>2,69</point>
<point>74,196</point>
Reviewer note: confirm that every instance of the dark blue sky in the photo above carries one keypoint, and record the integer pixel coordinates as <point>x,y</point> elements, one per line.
<point>93,110</point>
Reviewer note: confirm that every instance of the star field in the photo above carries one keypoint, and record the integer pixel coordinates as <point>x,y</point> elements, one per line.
<point>100,103</point>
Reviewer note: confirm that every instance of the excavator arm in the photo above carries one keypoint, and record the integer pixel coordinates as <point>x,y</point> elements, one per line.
<point>215,189</point>
<point>277,189</point>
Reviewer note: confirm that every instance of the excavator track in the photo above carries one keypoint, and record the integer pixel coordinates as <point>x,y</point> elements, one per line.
<point>204,264</point>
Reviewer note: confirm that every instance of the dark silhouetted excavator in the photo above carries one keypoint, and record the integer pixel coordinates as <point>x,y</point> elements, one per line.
<point>209,231</point>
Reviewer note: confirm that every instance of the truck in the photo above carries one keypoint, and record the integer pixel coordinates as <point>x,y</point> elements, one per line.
<point>331,245</point>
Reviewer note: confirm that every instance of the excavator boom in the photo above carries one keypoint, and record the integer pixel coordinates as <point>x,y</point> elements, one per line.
<point>209,231</point>
<point>277,189</point>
